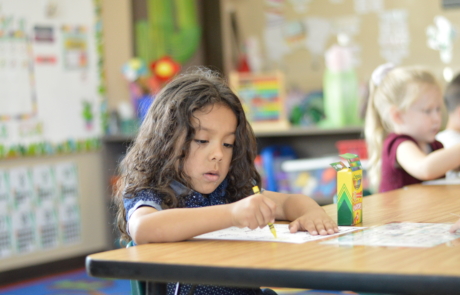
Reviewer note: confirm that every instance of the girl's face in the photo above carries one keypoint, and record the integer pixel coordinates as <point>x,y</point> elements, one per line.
<point>211,150</point>
<point>423,120</point>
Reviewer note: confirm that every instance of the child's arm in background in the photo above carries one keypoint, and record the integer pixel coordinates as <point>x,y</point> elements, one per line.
<point>455,227</point>
<point>304,213</point>
<point>427,166</point>
<point>148,225</point>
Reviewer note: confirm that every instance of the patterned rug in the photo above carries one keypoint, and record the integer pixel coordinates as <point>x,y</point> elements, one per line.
<point>79,283</point>
<point>72,283</point>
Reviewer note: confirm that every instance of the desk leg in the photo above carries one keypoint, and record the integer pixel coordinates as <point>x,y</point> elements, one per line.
<point>153,288</point>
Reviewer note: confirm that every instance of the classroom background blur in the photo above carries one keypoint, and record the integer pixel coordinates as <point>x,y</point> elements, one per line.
<point>77,78</point>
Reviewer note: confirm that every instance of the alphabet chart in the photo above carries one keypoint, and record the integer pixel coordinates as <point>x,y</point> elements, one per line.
<point>264,234</point>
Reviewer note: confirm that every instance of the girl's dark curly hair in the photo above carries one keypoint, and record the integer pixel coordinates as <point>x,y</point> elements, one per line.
<point>158,153</point>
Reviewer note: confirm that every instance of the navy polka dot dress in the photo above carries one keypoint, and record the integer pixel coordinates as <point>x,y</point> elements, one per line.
<point>194,200</point>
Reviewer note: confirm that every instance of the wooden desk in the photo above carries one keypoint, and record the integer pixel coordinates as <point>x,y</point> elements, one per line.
<point>311,265</point>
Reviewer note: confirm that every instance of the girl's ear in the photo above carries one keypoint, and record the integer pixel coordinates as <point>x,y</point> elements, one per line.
<point>396,115</point>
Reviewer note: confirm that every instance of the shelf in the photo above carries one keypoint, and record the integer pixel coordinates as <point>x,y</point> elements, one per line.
<point>306,131</point>
<point>293,131</point>
<point>117,138</point>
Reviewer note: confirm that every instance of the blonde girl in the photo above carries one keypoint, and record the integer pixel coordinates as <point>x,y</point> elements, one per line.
<point>191,170</point>
<point>402,119</point>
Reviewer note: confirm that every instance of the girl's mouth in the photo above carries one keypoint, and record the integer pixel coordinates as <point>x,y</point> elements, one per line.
<point>210,176</point>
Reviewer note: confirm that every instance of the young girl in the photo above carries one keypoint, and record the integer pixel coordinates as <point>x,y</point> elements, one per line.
<point>402,119</point>
<point>191,171</point>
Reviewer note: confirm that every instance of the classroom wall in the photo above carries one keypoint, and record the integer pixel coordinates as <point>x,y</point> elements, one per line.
<point>95,223</point>
<point>364,21</point>
<point>118,48</point>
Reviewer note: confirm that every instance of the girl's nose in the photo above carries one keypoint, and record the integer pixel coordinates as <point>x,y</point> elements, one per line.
<point>437,116</point>
<point>217,153</point>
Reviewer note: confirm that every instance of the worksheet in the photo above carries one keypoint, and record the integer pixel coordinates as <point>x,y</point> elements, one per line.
<point>399,234</point>
<point>264,234</point>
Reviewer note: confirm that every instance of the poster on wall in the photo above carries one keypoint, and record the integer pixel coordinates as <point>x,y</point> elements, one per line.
<point>39,208</point>
<point>51,93</point>
<point>44,185</point>
<point>23,213</point>
<point>6,235</point>
<point>69,209</point>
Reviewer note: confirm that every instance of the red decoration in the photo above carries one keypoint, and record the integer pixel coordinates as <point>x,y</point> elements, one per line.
<point>164,68</point>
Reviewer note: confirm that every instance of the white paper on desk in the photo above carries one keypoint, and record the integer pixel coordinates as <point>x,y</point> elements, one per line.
<point>264,234</point>
<point>399,234</point>
<point>442,181</point>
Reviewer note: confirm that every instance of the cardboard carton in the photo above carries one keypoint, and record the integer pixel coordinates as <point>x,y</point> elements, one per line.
<point>349,190</point>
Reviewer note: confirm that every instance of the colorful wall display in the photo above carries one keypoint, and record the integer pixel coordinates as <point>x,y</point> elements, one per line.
<point>51,93</point>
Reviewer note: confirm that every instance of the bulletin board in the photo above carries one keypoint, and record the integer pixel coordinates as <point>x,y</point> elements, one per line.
<point>293,35</point>
<point>51,92</point>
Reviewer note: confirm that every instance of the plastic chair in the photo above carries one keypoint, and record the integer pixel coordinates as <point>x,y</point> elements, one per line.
<point>137,287</point>
<point>271,159</point>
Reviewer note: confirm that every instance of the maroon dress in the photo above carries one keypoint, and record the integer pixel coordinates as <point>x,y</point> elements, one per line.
<point>393,175</point>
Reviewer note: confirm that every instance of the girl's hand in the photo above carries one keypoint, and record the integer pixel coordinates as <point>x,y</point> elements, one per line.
<point>253,212</point>
<point>316,221</point>
<point>455,227</point>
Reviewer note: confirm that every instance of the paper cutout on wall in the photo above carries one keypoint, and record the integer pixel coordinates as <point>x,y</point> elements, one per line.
<point>75,46</point>
<point>441,37</point>
<point>275,45</point>
<point>294,34</point>
<point>87,114</point>
<point>318,33</point>
<point>44,34</point>
<point>300,6</point>
<point>366,6</point>
<point>394,35</point>
<point>346,28</point>
<point>254,56</point>
<point>275,4</point>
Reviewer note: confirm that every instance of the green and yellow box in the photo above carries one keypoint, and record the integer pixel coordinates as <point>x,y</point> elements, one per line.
<point>349,190</point>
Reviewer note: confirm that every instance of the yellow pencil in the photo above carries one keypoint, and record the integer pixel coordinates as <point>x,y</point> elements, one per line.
<point>256,190</point>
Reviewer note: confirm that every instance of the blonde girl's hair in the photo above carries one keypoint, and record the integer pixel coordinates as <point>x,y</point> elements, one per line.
<point>158,153</point>
<point>398,87</point>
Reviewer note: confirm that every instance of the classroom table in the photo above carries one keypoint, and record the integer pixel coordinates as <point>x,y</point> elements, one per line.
<point>310,265</point>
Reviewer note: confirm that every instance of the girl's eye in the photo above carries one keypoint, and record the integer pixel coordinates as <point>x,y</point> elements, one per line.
<point>228,145</point>
<point>199,141</point>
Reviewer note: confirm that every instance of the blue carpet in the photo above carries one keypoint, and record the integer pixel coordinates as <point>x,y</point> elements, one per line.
<point>79,283</point>
<point>72,283</point>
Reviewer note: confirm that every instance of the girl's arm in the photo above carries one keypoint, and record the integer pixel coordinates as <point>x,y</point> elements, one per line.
<point>427,166</point>
<point>304,213</point>
<point>455,227</point>
<point>148,225</point>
